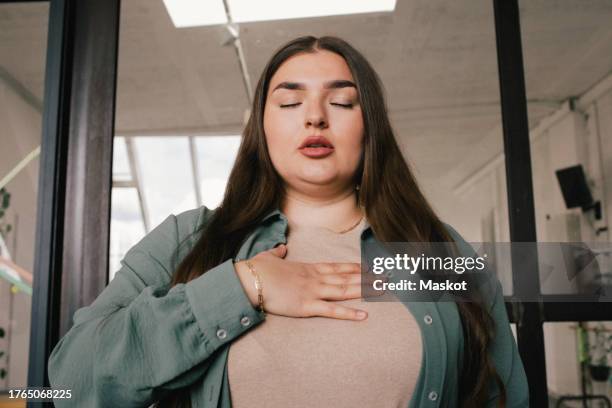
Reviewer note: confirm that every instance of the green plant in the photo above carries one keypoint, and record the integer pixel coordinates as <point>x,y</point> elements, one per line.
<point>5,202</point>
<point>601,350</point>
<point>2,355</point>
<point>599,354</point>
<point>5,228</point>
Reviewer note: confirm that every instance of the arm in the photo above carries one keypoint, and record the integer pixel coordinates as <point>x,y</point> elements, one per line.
<point>503,349</point>
<point>140,338</point>
<point>506,358</point>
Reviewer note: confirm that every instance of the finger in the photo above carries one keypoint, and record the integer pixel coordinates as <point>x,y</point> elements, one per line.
<point>339,279</point>
<point>339,292</point>
<point>351,278</point>
<point>337,267</point>
<point>369,279</point>
<point>336,311</point>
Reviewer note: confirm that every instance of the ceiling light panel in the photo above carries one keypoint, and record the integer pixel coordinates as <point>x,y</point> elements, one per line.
<point>191,13</point>
<point>260,10</point>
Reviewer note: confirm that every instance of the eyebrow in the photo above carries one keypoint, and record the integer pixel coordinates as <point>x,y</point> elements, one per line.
<point>335,84</point>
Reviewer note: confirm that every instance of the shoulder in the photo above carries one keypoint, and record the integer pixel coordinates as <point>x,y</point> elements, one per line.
<point>488,284</point>
<point>188,222</point>
<point>175,228</point>
<point>463,246</point>
<point>168,242</point>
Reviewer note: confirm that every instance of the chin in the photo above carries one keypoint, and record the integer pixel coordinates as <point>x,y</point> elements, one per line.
<point>320,178</point>
<point>318,170</point>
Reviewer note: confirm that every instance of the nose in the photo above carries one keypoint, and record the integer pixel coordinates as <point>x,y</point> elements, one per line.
<point>315,116</point>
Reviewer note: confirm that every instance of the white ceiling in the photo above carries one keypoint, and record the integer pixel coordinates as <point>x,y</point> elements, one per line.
<point>436,58</point>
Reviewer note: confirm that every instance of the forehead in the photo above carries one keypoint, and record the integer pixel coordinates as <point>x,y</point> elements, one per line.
<point>312,69</point>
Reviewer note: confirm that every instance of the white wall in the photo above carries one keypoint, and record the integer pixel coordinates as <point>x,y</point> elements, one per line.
<point>600,114</point>
<point>20,133</point>
<point>566,138</point>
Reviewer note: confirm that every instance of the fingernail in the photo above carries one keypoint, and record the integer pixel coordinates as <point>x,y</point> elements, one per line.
<point>362,314</point>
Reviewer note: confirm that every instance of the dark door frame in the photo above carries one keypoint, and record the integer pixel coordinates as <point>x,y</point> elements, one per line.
<point>71,254</point>
<point>60,286</point>
<point>521,209</point>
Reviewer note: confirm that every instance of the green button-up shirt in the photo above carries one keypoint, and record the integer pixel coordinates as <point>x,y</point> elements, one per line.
<point>141,338</point>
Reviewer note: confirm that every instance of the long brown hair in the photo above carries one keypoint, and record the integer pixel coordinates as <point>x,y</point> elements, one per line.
<point>394,205</point>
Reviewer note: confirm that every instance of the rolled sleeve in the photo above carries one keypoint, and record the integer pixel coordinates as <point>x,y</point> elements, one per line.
<point>142,337</point>
<point>221,291</point>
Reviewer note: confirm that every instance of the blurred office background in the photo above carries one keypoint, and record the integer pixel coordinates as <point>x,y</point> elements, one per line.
<point>185,80</point>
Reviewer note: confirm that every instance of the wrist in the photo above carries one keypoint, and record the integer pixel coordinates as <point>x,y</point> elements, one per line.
<point>258,286</point>
<point>247,280</point>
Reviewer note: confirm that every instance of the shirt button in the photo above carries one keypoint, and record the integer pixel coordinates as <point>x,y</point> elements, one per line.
<point>221,333</point>
<point>427,319</point>
<point>389,274</point>
<point>245,321</point>
<point>433,396</point>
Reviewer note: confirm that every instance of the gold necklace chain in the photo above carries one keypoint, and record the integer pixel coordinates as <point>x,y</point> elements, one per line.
<point>352,227</point>
<point>344,231</point>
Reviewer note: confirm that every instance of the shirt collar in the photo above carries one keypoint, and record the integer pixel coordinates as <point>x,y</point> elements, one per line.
<point>274,213</point>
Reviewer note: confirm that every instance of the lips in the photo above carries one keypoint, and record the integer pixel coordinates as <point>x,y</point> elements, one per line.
<point>316,147</point>
<point>316,141</point>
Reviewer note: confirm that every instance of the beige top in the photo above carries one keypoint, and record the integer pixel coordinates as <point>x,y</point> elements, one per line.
<point>323,362</point>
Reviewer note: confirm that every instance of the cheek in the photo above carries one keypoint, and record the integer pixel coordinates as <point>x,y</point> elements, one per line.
<point>352,134</point>
<point>276,138</point>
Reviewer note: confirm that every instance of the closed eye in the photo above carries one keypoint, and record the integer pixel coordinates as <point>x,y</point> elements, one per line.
<point>292,105</point>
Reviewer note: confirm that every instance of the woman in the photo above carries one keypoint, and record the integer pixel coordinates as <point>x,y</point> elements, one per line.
<point>257,302</point>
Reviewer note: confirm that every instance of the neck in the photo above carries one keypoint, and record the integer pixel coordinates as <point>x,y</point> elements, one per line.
<point>335,212</point>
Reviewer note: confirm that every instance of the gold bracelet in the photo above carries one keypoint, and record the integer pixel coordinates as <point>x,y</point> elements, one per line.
<point>258,286</point>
